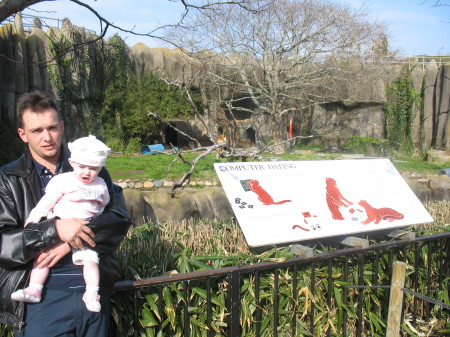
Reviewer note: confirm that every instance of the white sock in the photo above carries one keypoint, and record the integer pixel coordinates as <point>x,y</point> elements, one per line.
<point>92,289</point>
<point>36,286</point>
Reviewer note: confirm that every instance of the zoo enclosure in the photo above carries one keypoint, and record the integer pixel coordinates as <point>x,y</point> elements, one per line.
<point>341,292</point>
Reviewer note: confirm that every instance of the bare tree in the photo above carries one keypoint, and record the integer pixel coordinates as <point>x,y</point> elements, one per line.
<point>436,3</point>
<point>286,58</point>
<point>11,7</point>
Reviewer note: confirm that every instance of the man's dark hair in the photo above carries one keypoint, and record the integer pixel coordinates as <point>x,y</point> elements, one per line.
<point>35,101</point>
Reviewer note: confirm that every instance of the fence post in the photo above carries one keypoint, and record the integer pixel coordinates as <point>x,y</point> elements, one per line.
<point>234,303</point>
<point>396,299</point>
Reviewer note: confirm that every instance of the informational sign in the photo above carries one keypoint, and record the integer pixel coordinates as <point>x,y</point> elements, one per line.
<point>290,201</point>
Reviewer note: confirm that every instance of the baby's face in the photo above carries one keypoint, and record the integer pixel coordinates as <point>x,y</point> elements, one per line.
<point>85,173</point>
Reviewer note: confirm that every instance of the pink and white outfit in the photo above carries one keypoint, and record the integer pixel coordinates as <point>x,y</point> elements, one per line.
<point>66,197</point>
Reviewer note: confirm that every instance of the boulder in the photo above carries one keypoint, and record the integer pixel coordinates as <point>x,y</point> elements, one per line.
<point>440,187</point>
<point>421,190</point>
<point>145,206</point>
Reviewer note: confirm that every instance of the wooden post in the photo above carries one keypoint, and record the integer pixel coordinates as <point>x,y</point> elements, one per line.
<point>396,299</point>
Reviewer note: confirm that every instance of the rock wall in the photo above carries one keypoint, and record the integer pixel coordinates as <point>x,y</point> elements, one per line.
<point>25,56</point>
<point>209,203</point>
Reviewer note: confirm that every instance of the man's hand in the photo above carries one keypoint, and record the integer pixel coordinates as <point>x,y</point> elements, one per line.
<point>50,257</point>
<point>74,232</point>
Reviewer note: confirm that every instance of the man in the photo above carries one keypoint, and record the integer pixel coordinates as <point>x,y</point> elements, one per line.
<point>61,311</point>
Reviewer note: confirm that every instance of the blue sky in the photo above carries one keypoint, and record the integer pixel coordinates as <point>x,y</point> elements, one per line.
<point>415,27</point>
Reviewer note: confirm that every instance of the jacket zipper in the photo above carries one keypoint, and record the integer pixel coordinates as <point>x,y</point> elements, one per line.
<point>22,323</point>
<point>20,327</point>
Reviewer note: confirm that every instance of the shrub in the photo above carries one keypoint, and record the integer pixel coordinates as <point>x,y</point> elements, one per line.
<point>365,145</point>
<point>133,146</point>
<point>115,144</point>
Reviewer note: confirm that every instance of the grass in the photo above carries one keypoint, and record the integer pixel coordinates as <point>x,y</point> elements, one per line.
<point>168,166</point>
<point>419,166</point>
<point>158,166</point>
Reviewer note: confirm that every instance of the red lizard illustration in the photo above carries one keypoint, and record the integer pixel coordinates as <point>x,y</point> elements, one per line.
<point>335,199</point>
<point>263,196</point>
<point>378,214</point>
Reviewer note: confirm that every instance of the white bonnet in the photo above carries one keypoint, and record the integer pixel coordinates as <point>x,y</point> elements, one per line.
<point>89,151</point>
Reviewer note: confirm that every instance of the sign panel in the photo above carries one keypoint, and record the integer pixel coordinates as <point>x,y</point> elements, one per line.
<point>288,201</point>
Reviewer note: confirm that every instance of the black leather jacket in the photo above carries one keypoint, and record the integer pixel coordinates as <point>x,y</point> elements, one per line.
<point>19,193</point>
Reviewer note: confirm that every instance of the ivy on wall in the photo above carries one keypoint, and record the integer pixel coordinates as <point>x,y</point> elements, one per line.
<point>76,74</point>
<point>100,93</point>
<point>402,101</point>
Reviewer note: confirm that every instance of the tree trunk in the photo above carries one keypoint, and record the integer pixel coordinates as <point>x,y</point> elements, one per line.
<point>279,135</point>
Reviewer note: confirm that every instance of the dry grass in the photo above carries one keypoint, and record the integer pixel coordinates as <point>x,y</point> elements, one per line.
<point>206,237</point>
<point>440,212</point>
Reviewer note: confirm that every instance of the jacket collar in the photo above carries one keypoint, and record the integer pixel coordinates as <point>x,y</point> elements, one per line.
<point>24,165</point>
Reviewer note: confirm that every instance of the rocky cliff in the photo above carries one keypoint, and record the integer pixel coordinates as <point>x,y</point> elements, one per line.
<point>24,57</point>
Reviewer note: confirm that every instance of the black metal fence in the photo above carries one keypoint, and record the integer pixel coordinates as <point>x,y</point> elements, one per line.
<point>340,292</point>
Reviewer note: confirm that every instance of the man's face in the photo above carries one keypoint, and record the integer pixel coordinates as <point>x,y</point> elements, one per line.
<point>43,133</point>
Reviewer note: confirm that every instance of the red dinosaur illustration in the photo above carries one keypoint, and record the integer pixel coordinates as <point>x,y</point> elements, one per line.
<point>335,199</point>
<point>263,196</point>
<point>377,214</point>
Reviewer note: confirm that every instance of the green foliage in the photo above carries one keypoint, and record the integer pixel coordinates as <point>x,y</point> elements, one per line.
<point>133,146</point>
<point>415,164</point>
<point>167,166</point>
<point>5,331</point>
<point>115,144</point>
<point>158,166</point>
<point>77,76</point>
<point>366,145</point>
<point>129,99</point>
<point>401,101</point>
<point>155,249</point>
<point>101,95</point>
<point>117,74</point>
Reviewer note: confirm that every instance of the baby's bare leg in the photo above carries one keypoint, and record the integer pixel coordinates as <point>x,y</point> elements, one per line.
<point>91,276</point>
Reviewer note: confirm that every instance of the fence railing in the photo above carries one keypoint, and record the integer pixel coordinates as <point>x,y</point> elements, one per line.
<point>422,61</point>
<point>29,21</point>
<point>340,292</point>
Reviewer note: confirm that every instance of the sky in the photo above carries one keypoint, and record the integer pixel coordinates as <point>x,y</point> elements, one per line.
<point>415,27</point>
